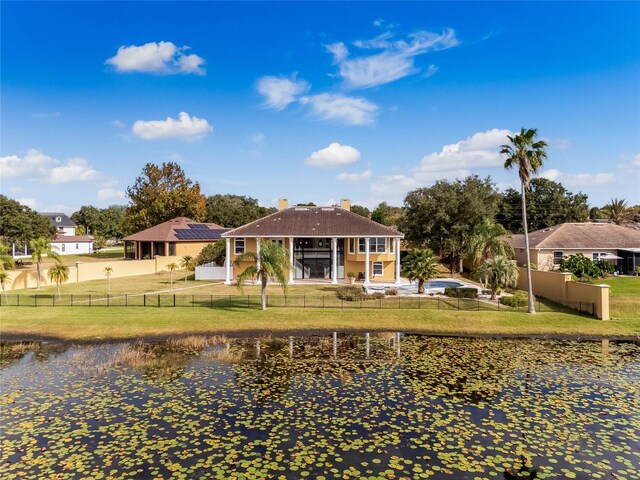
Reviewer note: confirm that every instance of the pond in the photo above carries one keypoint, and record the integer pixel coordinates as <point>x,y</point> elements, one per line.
<point>368,406</point>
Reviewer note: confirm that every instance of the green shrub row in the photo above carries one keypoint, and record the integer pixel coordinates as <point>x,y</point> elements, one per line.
<point>519,299</point>
<point>352,293</point>
<point>461,292</point>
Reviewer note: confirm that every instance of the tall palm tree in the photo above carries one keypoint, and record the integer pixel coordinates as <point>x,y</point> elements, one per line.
<point>107,272</point>
<point>4,280</point>
<point>171,267</point>
<point>59,273</point>
<point>487,242</point>
<point>618,211</point>
<point>188,263</point>
<point>274,264</point>
<point>527,153</point>
<point>420,265</point>
<point>497,273</point>
<point>41,247</point>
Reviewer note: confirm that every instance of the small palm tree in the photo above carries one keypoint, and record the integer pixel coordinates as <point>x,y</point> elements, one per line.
<point>527,154</point>
<point>617,211</point>
<point>59,273</point>
<point>487,242</point>
<point>107,272</point>
<point>6,260</point>
<point>4,280</point>
<point>171,267</point>
<point>189,264</point>
<point>41,247</point>
<point>497,273</point>
<point>420,265</point>
<point>274,264</point>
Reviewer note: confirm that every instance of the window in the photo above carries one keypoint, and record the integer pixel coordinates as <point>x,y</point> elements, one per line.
<point>392,242</point>
<point>77,246</point>
<point>377,245</point>
<point>377,268</point>
<point>352,245</point>
<point>598,256</point>
<point>63,245</point>
<point>239,246</point>
<point>557,256</point>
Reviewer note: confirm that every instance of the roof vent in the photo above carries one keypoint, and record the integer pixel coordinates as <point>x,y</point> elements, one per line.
<point>301,209</point>
<point>328,209</point>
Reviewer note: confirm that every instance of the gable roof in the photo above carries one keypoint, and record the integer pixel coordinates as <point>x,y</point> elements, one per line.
<point>179,229</point>
<point>580,235</point>
<point>58,219</point>
<point>73,239</point>
<point>313,222</point>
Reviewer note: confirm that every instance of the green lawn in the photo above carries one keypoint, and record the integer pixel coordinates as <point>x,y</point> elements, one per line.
<point>76,323</point>
<point>624,296</point>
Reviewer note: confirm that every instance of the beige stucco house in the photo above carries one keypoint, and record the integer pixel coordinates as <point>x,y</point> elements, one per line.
<point>176,237</point>
<point>596,241</point>
<point>324,244</point>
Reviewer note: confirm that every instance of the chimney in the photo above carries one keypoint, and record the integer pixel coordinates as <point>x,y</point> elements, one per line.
<point>345,204</point>
<point>282,203</point>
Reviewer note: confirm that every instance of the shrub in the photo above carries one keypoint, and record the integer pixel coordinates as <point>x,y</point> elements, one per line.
<point>350,293</point>
<point>351,275</point>
<point>519,299</point>
<point>391,292</point>
<point>461,292</point>
<point>585,268</point>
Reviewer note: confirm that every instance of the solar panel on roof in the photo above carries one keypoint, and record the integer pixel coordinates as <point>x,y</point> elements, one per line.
<point>198,231</point>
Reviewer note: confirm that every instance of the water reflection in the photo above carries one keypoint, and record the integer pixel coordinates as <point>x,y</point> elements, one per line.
<point>375,405</point>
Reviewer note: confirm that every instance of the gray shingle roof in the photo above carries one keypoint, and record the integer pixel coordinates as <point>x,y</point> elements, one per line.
<point>58,219</point>
<point>580,235</point>
<point>313,222</point>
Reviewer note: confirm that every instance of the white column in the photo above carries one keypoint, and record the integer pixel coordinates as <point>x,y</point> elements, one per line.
<point>227,261</point>
<point>334,267</point>
<point>258,252</point>
<point>397,250</point>
<point>366,261</point>
<point>292,267</point>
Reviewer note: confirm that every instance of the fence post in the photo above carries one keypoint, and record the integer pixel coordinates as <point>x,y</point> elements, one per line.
<point>285,301</point>
<point>304,301</point>
<point>158,300</point>
<point>126,299</point>
<point>211,301</point>
<point>107,299</point>
<point>35,300</point>
<point>71,304</point>
<point>18,301</point>
<point>229,300</point>
<point>478,304</point>
<point>438,303</point>
<point>398,302</point>
<point>193,300</point>
<point>53,300</point>
<point>174,300</point>
<point>89,299</point>
<point>418,303</point>
<point>144,299</point>
<point>458,303</point>
<point>248,304</point>
<point>323,302</point>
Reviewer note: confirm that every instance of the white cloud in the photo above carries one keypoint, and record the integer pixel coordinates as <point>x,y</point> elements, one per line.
<point>580,180</point>
<point>186,127</point>
<point>162,58</point>
<point>257,137</point>
<point>32,203</point>
<point>562,143</point>
<point>395,61</point>
<point>279,92</point>
<point>118,123</point>
<point>481,150</point>
<point>636,160</point>
<point>37,166</point>
<point>355,177</point>
<point>333,156</point>
<point>340,108</point>
<point>109,193</point>
<point>17,189</point>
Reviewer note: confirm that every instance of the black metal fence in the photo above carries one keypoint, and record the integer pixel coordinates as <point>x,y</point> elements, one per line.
<point>278,301</point>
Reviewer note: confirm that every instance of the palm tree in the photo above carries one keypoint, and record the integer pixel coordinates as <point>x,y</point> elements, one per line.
<point>527,154</point>
<point>171,267</point>
<point>188,263</point>
<point>4,280</point>
<point>274,263</point>
<point>487,242</point>
<point>41,247</point>
<point>617,211</point>
<point>6,260</point>
<point>108,271</point>
<point>497,273</point>
<point>59,273</point>
<point>420,265</point>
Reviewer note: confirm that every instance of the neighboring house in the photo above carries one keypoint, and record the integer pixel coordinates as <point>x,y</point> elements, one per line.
<point>607,241</point>
<point>66,241</point>
<point>323,243</point>
<point>63,224</point>
<point>180,236</point>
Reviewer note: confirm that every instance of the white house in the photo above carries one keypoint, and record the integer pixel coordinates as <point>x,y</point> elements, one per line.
<point>66,241</point>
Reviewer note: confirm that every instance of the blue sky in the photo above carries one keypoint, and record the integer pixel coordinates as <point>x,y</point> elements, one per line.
<point>314,101</point>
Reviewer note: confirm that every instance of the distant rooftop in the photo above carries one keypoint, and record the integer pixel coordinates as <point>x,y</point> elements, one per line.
<point>59,219</point>
<point>180,229</point>
<point>580,235</point>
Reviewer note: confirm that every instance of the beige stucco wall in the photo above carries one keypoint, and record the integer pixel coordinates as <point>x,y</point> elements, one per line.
<point>82,272</point>
<point>353,262</point>
<point>560,288</point>
<point>543,259</point>
<point>191,248</point>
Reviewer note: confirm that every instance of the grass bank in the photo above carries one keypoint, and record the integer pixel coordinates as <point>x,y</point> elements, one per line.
<point>83,324</point>
<point>624,296</point>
